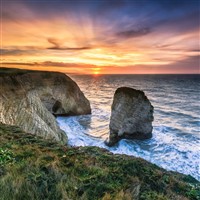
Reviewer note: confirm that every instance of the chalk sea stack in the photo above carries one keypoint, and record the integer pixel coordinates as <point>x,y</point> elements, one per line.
<point>31,99</point>
<point>131,116</point>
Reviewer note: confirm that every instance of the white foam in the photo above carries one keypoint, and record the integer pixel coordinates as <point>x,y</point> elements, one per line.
<point>165,149</point>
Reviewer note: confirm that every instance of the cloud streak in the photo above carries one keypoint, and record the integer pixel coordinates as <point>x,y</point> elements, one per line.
<point>69,48</point>
<point>173,68</point>
<point>134,33</point>
<point>58,46</point>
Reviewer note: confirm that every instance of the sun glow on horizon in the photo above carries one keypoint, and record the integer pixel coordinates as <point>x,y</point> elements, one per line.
<point>96,71</point>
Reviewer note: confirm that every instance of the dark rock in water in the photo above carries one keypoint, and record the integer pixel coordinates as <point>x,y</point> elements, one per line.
<point>29,99</point>
<point>131,116</point>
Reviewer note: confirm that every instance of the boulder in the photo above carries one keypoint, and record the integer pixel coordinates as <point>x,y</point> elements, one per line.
<point>131,116</point>
<point>32,99</point>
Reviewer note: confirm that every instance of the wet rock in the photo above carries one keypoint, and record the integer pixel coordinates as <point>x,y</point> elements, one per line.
<point>31,99</point>
<point>131,116</point>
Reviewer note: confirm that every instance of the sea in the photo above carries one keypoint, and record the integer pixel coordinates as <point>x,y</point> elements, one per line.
<point>175,145</point>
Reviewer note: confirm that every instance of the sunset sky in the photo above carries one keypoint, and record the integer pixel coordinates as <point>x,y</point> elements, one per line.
<point>101,36</point>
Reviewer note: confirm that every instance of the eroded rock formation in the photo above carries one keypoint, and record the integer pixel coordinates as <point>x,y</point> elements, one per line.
<point>29,99</point>
<point>131,116</point>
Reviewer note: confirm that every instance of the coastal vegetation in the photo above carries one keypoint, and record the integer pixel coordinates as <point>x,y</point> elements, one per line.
<point>34,168</point>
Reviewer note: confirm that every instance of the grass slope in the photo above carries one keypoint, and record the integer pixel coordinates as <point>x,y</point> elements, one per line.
<point>32,168</point>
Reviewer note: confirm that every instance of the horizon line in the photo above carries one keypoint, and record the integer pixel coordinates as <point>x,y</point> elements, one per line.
<point>99,74</point>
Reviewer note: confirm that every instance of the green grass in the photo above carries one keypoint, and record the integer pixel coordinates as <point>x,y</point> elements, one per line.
<point>32,168</point>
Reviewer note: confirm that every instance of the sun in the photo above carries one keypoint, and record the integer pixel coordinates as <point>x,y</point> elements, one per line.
<point>96,71</point>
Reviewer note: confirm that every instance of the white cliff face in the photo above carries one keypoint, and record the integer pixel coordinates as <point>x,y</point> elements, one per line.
<point>131,116</point>
<point>29,100</point>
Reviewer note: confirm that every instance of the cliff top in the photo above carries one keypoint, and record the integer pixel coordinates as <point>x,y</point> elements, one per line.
<point>33,168</point>
<point>130,91</point>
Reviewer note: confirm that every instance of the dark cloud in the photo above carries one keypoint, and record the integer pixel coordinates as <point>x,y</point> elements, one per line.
<point>180,24</point>
<point>17,52</point>
<point>172,48</point>
<point>190,64</point>
<point>177,4</point>
<point>20,63</point>
<point>195,50</point>
<point>54,41</point>
<point>62,64</point>
<point>69,48</point>
<point>58,46</point>
<point>133,33</point>
<point>49,64</point>
<point>10,52</point>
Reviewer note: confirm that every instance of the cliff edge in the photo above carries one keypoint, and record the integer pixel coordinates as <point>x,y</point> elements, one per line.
<point>33,168</point>
<point>30,99</point>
